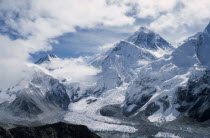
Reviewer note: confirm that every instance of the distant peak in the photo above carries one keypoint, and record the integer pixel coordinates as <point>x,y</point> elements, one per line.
<point>46,58</point>
<point>51,56</point>
<point>144,29</point>
<point>148,39</point>
<point>207,29</point>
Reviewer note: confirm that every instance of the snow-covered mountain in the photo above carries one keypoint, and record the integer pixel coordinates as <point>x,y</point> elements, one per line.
<point>171,86</point>
<point>37,93</point>
<point>121,63</point>
<point>150,40</point>
<point>142,75</point>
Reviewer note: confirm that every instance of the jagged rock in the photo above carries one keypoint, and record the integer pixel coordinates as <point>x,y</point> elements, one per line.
<point>195,98</point>
<point>149,40</point>
<point>57,130</point>
<point>46,59</point>
<point>111,110</point>
<point>151,108</point>
<point>4,133</point>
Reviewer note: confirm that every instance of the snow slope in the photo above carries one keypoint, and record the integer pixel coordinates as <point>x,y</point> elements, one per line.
<point>155,91</point>
<point>87,113</point>
<point>120,64</point>
<point>37,93</point>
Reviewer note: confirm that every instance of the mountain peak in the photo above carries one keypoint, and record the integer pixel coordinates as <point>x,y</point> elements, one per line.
<point>207,29</point>
<point>148,39</point>
<point>46,58</point>
<point>145,30</point>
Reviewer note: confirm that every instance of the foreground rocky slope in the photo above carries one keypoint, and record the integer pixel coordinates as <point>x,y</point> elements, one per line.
<point>58,130</point>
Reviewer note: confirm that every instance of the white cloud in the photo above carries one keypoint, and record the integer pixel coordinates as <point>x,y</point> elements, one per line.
<point>154,8</point>
<point>73,69</point>
<point>175,19</point>
<point>39,21</point>
<point>105,47</point>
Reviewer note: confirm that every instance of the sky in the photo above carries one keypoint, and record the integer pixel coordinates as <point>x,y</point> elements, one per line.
<point>74,28</point>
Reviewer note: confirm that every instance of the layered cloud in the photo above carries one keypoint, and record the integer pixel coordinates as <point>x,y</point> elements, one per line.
<point>72,70</point>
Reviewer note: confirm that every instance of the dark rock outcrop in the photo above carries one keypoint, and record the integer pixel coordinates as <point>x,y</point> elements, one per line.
<point>111,110</point>
<point>194,100</point>
<point>57,130</point>
<point>4,133</point>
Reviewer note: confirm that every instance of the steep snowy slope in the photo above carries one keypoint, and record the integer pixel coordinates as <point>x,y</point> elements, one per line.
<point>156,90</point>
<point>148,39</point>
<point>37,93</point>
<point>120,64</point>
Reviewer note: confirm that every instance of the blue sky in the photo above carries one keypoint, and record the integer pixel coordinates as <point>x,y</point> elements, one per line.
<point>31,28</point>
<point>83,42</point>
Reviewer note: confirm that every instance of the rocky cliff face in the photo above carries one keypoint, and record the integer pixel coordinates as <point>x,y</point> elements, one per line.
<point>58,130</point>
<point>148,39</point>
<point>194,99</point>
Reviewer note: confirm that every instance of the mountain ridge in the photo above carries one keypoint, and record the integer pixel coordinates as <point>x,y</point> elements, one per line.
<point>46,58</point>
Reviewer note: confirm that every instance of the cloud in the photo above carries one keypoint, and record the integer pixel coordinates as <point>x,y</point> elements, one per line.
<point>38,22</point>
<point>175,20</point>
<point>73,70</point>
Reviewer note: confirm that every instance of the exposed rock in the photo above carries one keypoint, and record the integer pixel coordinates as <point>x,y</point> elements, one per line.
<point>195,98</point>
<point>46,59</point>
<point>57,130</point>
<point>151,108</point>
<point>111,110</point>
<point>149,39</point>
<point>4,133</point>
<point>165,102</point>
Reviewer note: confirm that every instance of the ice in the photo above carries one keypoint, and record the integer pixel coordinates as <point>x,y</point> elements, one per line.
<point>88,114</point>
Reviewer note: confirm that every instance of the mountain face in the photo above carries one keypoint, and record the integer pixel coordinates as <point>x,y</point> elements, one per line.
<point>148,39</point>
<point>40,94</point>
<point>120,64</point>
<point>46,59</point>
<point>194,98</point>
<point>173,85</point>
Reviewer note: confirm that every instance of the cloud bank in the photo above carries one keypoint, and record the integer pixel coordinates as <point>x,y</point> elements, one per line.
<point>72,70</point>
